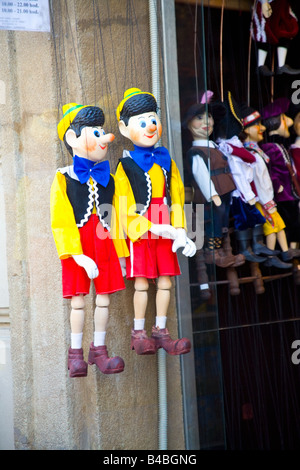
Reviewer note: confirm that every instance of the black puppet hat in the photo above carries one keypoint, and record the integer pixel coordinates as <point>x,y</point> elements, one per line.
<point>250,116</point>
<point>231,124</point>
<point>206,104</point>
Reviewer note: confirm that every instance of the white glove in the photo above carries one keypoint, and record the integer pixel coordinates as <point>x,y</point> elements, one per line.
<point>123,265</point>
<point>164,230</point>
<point>88,264</point>
<point>182,241</point>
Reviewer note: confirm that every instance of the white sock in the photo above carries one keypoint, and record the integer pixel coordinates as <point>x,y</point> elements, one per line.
<point>99,338</point>
<point>139,323</point>
<point>281,55</point>
<point>161,322</point>
<point>76,340</point>
<point>261,57</point>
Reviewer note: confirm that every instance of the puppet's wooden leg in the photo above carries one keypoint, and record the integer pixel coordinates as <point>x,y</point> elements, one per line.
<point>233,279</point>
<point>98,351</point>
<point>160,333</point>
<point>139,339</point>
<point>202,276</point>
<point>76,365</point>
<point>258,280</point>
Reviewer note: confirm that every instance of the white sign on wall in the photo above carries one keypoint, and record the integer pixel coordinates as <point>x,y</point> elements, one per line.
<point>25,16</point>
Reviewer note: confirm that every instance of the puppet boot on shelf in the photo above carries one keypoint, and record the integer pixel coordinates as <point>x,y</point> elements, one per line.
<point>141,343</point>
<point>277,263</point>
<point>258,246</point>
<point>107,365</point>
<point>215,254</point>
<point>202,276</point>
<point>173,347</point>
<point>76,365</point>
<point>244,238</point>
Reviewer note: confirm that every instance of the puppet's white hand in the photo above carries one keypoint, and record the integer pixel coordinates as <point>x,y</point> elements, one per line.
<point>123,266</point>
<point>266,9</point>
<point>182,241</point>
<point>164,230</point>
<point>88,264</point>
<point>217,200</point>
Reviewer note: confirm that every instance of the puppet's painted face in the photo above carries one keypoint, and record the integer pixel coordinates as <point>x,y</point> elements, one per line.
<point>144,130</point>
<point>201,126</point>
<point>297,124</point>
<point>283,129</point>
<point>92,144</point>
<point>255,133</point>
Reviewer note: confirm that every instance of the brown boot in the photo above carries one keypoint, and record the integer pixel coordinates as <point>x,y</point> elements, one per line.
<point>174,347</point>
<point>107,365</point>
<point>76,365</point>
<point>141,343</point>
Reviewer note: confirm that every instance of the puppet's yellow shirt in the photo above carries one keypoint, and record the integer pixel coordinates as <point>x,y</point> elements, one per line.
<point>136,225</point>
<point>65,231</point>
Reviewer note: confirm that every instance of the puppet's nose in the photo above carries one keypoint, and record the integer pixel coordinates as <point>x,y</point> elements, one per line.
<point>151,128</point>
<point>107,138</point>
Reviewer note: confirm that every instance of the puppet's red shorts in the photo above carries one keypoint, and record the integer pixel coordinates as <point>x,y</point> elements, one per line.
<point>97,244</point>
<point>152,256</point>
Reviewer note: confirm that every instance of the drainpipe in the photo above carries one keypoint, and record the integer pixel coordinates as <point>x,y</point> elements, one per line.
<point>161,353</point>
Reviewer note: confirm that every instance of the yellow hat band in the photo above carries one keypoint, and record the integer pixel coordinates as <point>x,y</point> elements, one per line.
<point>70,111</point>
<point>128,94</point>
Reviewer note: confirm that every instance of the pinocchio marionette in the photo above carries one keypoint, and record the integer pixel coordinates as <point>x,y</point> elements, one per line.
<point>150,200</point>
<point>84,232</point>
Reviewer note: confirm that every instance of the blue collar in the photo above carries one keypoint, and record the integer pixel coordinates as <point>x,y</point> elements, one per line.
<point>145,157</point>
<point>85,168</point>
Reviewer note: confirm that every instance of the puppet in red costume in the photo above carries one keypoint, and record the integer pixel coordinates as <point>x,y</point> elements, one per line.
<point>150,199</point>
<point>274,24</point>
<point>84,227</point>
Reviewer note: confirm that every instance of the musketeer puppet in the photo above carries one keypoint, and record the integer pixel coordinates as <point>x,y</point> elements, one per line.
<point>84,225</point>
<point>150,200</point>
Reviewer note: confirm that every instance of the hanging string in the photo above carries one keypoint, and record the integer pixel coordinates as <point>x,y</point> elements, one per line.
<point>221,51</point>
<point>195,51</point>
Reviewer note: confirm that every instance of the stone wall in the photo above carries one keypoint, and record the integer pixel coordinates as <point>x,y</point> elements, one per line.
<point>94,52</point>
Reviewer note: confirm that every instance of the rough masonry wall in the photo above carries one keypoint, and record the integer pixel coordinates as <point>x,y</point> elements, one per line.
<point>95,51</point>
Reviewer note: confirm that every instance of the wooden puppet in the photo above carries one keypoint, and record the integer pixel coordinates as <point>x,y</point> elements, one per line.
<point>249,221</point>
<point>277,123</point>
<point>274,25</point>
<point>294,150</point>
<point>211,178</point>
<point>150,199</point>
<point>84,225</point>
<point>274,227</point>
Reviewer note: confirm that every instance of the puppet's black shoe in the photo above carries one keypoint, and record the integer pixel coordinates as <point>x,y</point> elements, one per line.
<point>107,365</point>
<point>265,71</point>
<point>76,365</point>
<point>288,70</point>
<point>277,263</point>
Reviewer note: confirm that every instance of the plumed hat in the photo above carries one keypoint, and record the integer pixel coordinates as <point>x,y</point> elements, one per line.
<point>70,111</point>
<point>231,124</point>
<point>215,108</point>
<point>279,106</point>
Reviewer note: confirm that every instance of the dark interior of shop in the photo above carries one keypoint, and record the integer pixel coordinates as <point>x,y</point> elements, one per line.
<point>242,338</point>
